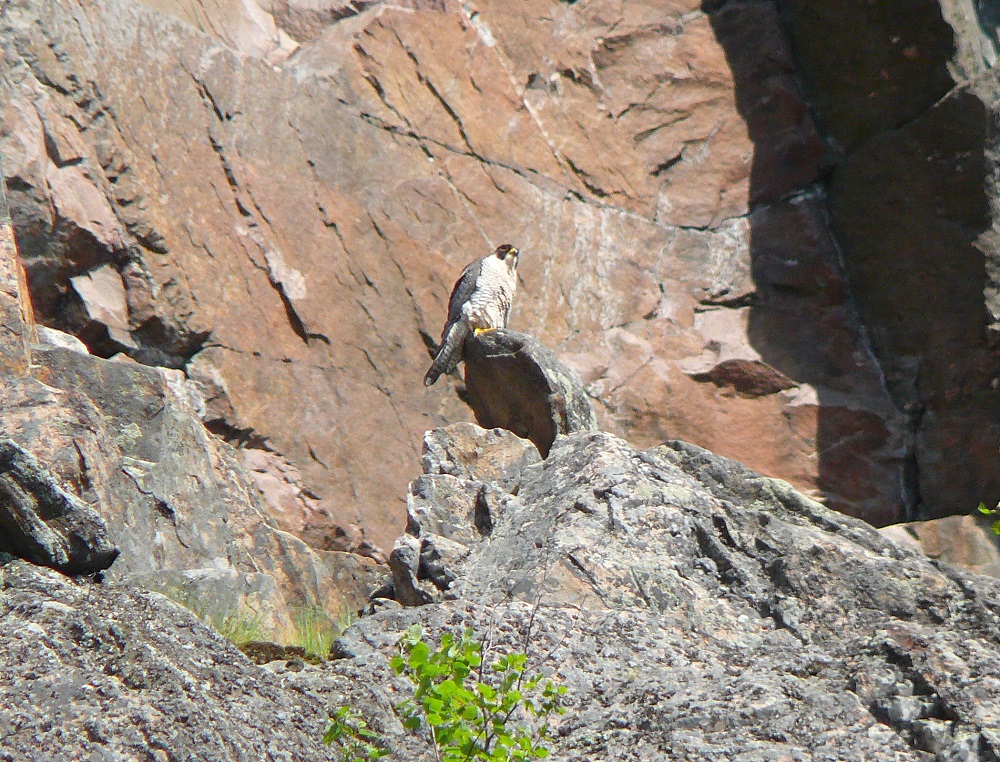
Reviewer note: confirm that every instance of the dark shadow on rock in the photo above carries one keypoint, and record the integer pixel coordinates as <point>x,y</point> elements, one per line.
<point>43,523</point>
<point>515,383</point>
<point>869,215</point>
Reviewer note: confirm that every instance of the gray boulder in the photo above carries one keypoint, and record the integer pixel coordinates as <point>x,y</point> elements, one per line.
<point>42,522</point>
<point>694,610</point>
<point>109,672</point>
<point>470,474</point>
<point>698,610</point>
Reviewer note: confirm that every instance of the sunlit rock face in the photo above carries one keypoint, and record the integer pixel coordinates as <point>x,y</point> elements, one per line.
<point>287,193</point>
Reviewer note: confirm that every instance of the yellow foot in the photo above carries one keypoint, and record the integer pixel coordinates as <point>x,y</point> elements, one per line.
<point>479,331</point>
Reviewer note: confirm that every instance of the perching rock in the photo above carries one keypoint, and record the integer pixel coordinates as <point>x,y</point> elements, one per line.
<point>697,610</point>
<point>515,383</point>
<point>42,522</point>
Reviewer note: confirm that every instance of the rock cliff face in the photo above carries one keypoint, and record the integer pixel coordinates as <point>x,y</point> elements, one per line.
<point>277,200</point>
<point>911,127</point>
<point>240,224</point>
<point>111,672</point>
<point>694,609</point>
<point>106,463</point>
<point>697,610</point>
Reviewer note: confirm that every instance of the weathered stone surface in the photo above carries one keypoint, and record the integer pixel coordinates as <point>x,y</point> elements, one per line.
<point>470,475</point>
<point>42,522</point>
<point>965,541</point>
<point>246,26</point>
<point>515,383</point>
<point>656,164</point>
<point>185,513</point>
<point>127,439</point>
<point>462,510</point>
<point>110,672</point>
<point>637,154</point>
<point>404,561</point>
<point>697,610</point>
<point>100,455</point>
<point>16,318</point>
<point>295,509</point>
<point>911,123</point>
<point>693,609</point>
<point>466,451</point>
<point>52,337</point>
<point>102,311</point>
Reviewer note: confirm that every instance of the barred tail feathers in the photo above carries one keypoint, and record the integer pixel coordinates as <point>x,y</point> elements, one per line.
<point>450,352</point>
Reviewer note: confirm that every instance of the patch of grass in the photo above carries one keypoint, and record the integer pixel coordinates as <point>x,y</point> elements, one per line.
<point>345,619</point>
<point>241,627</point>
<point>182,597</point>
<point>314,631</point>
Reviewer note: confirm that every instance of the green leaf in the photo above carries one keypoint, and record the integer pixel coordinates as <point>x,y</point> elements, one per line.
<point>984,510</point>
<point>434,720</point>
<point>415,633</point>
<point>419,654</point>
<point>447,688</point>
<point>469,712</point>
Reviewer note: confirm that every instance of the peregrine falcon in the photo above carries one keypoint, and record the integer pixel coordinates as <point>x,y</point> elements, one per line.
<point>480,301</point>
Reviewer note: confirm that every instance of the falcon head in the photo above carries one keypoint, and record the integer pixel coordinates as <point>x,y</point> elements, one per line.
<point>508,254</point>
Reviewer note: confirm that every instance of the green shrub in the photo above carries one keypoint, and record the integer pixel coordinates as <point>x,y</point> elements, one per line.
<point>500,714</point>
<point>357,742</point>
<point>990,512</point>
